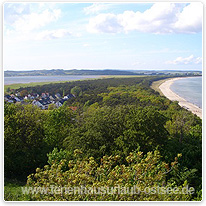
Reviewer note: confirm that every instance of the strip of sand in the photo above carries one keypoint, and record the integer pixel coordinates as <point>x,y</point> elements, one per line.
<point>165,89</point>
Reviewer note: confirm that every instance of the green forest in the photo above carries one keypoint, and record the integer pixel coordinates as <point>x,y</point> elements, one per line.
<point>123,133</point>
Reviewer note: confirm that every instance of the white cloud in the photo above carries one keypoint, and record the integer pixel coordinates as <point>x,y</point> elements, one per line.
<point>105,23</point>
<point>187,60</point>
<point>18,8</point>
<point>198,60</point>
<point>86,45</point>
<point>29,22</point>
<point>52,34</point>
<point>160,18</point>
<point>13,11</point>
<point>26,17</point>
<point>137,63</point>
<point>190,19</point>
<point>96,8</point>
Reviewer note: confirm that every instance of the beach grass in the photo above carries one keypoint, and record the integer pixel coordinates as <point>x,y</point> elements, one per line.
<point>156,84</point>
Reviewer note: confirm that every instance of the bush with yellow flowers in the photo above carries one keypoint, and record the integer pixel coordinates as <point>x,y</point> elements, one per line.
<point>139,179</point>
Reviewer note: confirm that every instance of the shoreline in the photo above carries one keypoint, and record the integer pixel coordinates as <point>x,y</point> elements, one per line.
<point>165,89</point>
<point>62,81</point>
<point>47,82</point>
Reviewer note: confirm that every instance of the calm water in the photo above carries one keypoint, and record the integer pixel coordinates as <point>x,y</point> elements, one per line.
<point>29,79</point>
<point>190,89</point>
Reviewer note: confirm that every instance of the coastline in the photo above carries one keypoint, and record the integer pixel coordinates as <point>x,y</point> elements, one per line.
<point>165,89</point>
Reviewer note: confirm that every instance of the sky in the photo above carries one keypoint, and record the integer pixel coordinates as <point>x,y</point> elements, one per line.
<point>134,36</point>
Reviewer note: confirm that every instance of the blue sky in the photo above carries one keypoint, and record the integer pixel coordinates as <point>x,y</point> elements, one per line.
<point>131,36</point>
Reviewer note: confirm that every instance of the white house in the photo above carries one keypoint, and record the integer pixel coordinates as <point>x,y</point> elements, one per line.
<point>58,104</point>
<point>37,103</point>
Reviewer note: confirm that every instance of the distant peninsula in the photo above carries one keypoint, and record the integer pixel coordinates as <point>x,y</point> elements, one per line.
<point>62,72</point>
<point>55,72</point>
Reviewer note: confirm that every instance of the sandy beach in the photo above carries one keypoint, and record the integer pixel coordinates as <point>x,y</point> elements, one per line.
<point>165,88</point>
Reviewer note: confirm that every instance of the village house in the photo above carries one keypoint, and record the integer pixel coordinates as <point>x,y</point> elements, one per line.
<point>7,97</point>
<point>52,97</point>
<point>57,95</point>
<point>38,103</point>
<point>42,101</point>
<point>68,96</point>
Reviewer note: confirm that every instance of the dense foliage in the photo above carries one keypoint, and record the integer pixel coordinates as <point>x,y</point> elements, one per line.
<point>24,145</point>
<point>108,180</point>
<point>115,120</point>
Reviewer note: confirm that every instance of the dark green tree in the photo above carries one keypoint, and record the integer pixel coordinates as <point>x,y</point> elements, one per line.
<point>24,146</point>
<point>77,91</point>
<point>58,125</point>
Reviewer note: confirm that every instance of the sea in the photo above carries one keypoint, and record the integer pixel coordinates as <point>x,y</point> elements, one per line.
<point>29,79</point>
<point>190,89</point>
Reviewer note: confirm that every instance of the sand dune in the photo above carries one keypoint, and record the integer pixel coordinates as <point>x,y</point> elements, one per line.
<point>165,88</point>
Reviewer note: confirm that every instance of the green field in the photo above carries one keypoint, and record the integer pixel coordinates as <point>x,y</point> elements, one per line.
<point>32,84</point>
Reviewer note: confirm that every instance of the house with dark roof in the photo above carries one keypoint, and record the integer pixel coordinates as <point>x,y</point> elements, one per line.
<point>42,102</point>
<point>7,97</point>
<point>21,98</point>
<point>38,103</point>
<point>58,104</point>
<point>68,96</point>
<point>57,95</point>
<point>52,97</point>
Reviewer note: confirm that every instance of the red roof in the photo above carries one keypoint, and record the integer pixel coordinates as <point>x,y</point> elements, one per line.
<point>73,108</point>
